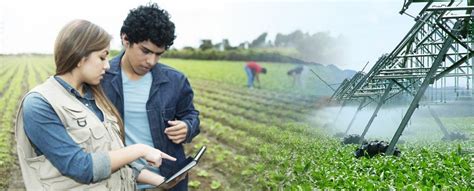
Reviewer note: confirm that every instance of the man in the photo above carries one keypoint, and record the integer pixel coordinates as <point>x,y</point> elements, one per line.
<point>155,101</point>
<point>296,74</point>
<point>252,69</point>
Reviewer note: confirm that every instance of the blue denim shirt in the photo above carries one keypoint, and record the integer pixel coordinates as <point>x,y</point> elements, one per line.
<point>171,97</point>
<point>49,137</point>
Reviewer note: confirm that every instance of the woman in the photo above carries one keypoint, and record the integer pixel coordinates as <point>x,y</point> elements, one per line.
<point>69,136</point>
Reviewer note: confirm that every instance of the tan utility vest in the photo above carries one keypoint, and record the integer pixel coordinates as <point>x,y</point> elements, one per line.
<point>85,128</point>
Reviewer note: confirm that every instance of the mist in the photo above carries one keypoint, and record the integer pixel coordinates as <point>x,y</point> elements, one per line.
<point>421,127</point>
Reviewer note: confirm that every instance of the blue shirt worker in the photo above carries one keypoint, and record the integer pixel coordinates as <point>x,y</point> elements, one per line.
<point>155,101</point>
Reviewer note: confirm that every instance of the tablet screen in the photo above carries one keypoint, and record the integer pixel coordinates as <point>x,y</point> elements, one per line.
<point>186,165</point>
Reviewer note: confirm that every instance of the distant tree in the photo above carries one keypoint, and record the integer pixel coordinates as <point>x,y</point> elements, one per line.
<point>259,41</point>
<point>188,48</point>
<point>270,44</point>
<point>224,45</point>
<point>227,45</point>
<point>218,46</point>
<point>281,40</point>
<point>206,44</point>
<point>319,47</point>
<point>295,38</point>
<point>244,45</point>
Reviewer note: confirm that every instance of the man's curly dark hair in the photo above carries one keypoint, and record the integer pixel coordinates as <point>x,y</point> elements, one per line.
<point>149,23</point>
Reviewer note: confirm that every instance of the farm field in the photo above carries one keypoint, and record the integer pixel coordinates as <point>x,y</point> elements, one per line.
<point>268,138</point>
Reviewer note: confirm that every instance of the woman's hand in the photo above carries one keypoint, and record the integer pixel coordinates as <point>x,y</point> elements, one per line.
<point>154,156</point>
<point>148,177</point>
<point>126,155</point>
<point>173,182</point>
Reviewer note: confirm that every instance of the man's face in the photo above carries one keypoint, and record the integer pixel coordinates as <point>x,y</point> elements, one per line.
<point>142,56</point>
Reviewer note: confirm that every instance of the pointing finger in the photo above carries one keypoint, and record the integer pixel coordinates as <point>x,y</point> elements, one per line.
<point>166,156</point>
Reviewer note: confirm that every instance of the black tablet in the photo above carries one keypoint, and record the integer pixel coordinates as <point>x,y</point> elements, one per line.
<point>186,165</point>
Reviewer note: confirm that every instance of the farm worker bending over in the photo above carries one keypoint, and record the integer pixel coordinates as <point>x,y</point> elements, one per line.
<point>252,69</point>
<point>296,74</point>
<point>69,135</point>
<point>155,100</point>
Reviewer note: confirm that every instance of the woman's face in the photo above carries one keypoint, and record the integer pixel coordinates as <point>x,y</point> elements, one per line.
<point>93,67</point>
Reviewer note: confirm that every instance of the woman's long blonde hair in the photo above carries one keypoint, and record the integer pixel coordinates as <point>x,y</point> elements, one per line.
<point>77,40</point>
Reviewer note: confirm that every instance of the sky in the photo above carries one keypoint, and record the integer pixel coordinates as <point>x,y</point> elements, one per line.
<point>370,27</point>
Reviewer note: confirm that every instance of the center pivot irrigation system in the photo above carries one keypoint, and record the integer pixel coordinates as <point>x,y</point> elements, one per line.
<point>438,48</point>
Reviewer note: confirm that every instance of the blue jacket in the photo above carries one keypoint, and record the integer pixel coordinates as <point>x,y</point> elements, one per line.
<point>171,97</point>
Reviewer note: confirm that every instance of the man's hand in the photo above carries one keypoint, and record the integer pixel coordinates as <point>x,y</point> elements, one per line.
<point>177,131</point>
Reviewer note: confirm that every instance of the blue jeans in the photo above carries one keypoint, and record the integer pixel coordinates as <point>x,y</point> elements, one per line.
<point>250,77</point>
